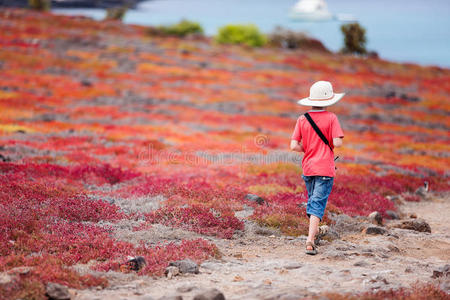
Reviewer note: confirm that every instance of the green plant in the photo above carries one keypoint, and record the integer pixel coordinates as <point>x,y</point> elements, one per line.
<point>181,29</point>
<point>285,38</point>
<point>40,4</point>
<point>241,34</point>
<point>354,38</point>
<point>116,13</point>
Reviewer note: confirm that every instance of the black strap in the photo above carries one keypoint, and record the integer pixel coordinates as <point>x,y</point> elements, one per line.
<point>317,130</point>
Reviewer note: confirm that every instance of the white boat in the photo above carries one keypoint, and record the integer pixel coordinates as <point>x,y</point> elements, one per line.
<point>311,10</point>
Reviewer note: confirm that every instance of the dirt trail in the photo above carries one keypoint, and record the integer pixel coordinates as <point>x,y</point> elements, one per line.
<point>275,267</point>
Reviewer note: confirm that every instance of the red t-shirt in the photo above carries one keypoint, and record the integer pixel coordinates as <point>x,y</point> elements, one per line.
<point>318,159</point>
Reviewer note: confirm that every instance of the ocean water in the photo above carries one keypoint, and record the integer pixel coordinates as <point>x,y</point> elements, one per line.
<point>416,31</point>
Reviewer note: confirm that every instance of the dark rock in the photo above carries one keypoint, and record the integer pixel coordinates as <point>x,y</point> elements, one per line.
<point>361,263</point>
<point>136,263</point>
<point>47,117</point>
<point>410,98</point>
<point>4,158</point>
<point>185,266</point>
<point>375,218</point>
<point>392,215</point>
<point>375,230</point>
<point>255,198</point>
<point>441,272</point>
<point>86,83</point>
<point>21,131</point>
<point>211,294</point>
<point>55,291</point>
<point>414,224</point>
<point>413,216</point>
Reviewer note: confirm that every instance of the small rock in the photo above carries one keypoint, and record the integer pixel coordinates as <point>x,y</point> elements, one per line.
<point>375,230</point>
<point>185,266</point>
<point>238,278</point>
<point>56,291</point>
<point>211,294</point>
<point>413,216</point>
<point>346,224</point>
<point>326,233</point>
<point>375,218</point>
<point>136,263</point>
<point>255,198</point>
<point>408,270</point>
<point>423,190</point>
<point>361,263</point>
<point>86,83</point>
<point>48,117</point>
<point>177,297</point>
<point>265,231</point>
<point>392,214</point>
<point>441,272</point>
<point>171,272</point>
<point>293,266</point>
<point>414,224</point>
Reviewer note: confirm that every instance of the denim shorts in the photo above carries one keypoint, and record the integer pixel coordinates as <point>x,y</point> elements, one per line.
<point>319,188</point>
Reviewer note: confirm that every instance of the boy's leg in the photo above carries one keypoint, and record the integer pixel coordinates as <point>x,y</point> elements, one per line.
<point>313,229</point>
<point>317,202</point>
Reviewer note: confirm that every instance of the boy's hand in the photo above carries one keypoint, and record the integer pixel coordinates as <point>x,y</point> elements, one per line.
<point>296,146</point>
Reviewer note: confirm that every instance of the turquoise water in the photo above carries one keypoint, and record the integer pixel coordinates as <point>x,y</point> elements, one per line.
<point>415,31</point>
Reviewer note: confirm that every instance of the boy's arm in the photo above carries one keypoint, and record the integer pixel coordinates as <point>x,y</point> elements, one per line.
<point>337,132</point>
<point>296,146</point>
<point>296,138</point>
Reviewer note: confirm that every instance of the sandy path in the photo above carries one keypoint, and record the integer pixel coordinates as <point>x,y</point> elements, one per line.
<point>275,267</point>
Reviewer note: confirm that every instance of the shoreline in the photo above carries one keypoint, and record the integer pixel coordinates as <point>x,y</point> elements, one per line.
<point>103,4</point>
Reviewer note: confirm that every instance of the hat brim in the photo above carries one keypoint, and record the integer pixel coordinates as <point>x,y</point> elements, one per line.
<point>321,103</point>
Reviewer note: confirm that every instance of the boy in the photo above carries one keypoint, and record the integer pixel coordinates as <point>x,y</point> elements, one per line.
<point>318,160</point>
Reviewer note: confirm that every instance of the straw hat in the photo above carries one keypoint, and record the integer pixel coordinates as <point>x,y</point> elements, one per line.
<point>321,95</point>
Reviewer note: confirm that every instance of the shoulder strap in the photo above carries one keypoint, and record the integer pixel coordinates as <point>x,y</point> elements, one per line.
<point>317,130</point>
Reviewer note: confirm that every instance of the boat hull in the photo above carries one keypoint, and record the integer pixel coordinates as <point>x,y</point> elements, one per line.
<point>310,17</point>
